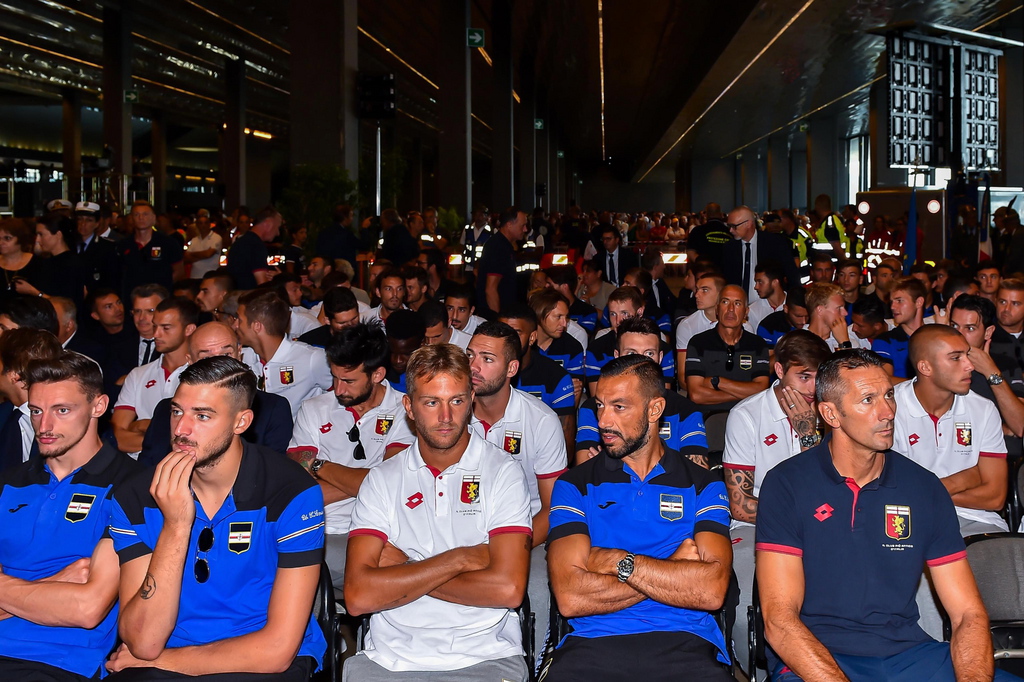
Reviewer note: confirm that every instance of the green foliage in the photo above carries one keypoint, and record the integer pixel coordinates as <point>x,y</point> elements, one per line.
<point>450,223</point>
<point>312,193</point>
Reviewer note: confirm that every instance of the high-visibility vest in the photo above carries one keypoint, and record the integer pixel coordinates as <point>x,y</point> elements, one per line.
<point>821,243</point>
<point>474,246</point>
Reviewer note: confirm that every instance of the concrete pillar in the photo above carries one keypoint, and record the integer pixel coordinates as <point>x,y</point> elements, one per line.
<point>233,157</point>
<point>456,136</point>
<point>821,160</point>
<point>324,63</point>
<point>778,171</point>
<point>1012,109</point>
<point>502,156</point>
<point>71,136</point>
<point>159,158</point>
<point>117,78</point>
<point>527,141</point>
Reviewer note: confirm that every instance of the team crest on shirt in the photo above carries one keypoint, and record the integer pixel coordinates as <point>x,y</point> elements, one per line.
<point>897,521</point>
<point>746,361</point>
<point>513,442</point>
<point>287,375</point>
<point>384,424</point>
<point>155,252</point>
<point>665,432</point>
<point>671,507</point>
<point>963,433</point>
<point>470,490</point>
<point>79,507</point>
<point>239,536</point>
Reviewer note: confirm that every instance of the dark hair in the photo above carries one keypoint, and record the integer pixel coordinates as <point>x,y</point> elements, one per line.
<point>267,308</point>
<point>20,230</point>
<point>223,372</point>
<point>499,330</point>
<point>147,290</point>
<point>643,279</point>
<point>508,215</point>
<point>801,348</point>
<point>433,313</point>
<point>338,300</point>
<point>871,309</point>
<point>546,300</point>
<point>460,292</point>
<point>362,344</point>
<point>65,366</point>
<point>796,297</point>
<point>405,324</point>
<point>848,263</point>
<point>223,280</point>
<point>638,325</point>
<point>594,265</point>
<point>342,213</point>
<point>985,308</point>
<point>630,295</point>
<point>647,371</point>
<point>183,286</point>
<point>923,268</point>
<point>19,347</point>
<point>389,272</point>
<point>912,286</point>
<point>771,269</point>
<point>829,385</point>
<point>31,311</point>
<point>818,256</point>
<point>703,266</point>
<point>605,229</point>
<point>563,274</point>
<point>651,257</point>
<point>55,223</point>
<point>97,294</point>
<point>188,311</point>
<point>417,273</point>
<point>436,258</point>
<point>333,279</point>
<point>985,265</point>
<point>518,311</point>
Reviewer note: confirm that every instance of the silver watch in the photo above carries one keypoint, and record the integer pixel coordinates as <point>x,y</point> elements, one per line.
<point>315,467</point>
<point>625,567</point>
<point>995,379</point>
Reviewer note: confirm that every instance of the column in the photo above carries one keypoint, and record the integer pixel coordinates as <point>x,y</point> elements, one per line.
<point>455,138</point>
<point>821,160</point>
<point>778,171</point>
<point>527,139</point>
<point>117,78</point>
<point>232,172</point>
<point>159,158</point>
<point>71,136</point>
<point>503,154</point>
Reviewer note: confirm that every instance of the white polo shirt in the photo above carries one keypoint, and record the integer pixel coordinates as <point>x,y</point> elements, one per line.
<point>697,323</point>
<point>212,241</point>
<point>758,436</point>
<point>760,309</point>
<point>323,425</point>
<point>460,338</point>
<point>531,433</point>
<point>473,322</point>
<point>423,513</point>
<point>301,322</point>
<point>146,386</point>
<point>970,429</point>
<point>297,371</point>
<point>371,314</point>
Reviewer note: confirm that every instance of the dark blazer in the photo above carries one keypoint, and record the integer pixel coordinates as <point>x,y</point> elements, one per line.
<point>668,299</point>
<point>627,261</point>
<point>100,266</point>
<point>769,246</point>
<point>271,427</point>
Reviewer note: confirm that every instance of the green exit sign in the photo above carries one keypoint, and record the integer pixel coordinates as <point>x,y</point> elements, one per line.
<point>474,37</point>
<point>561,154</point>
<point>131,96</point>
<point>538,124</point>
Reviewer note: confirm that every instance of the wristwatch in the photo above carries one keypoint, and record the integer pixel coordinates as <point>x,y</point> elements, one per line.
<point>995,379</point>
<point>809,441</point>
<point>625,567</point>
<point>714,383</point>
<point>315,467</point>
<point>846,344</point>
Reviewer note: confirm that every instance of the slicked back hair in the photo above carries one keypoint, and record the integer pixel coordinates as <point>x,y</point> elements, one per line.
<point>647,371</point>
<point>223,372</point>
<point>267,308</point>
<point>509,336</point>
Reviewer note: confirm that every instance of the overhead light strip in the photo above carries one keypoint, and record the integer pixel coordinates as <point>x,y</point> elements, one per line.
<point>50,52</point>
<point>600,54</point>
<point>395,55</point>
<point>417,119</point>
<point>728,87</point>
<point>997,19</point>
<point>481,122</point>
<point>487,57</point>
<point>179,90</point>
<point>240,28</point>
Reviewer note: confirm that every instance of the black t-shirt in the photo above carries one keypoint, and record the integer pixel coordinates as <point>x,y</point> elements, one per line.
<point>247,254</point>
<point>62,275</point>
<point>318,337</point>
<point>709,240</point>
<point>708,355</point>
<point>149,264</point>
<point>498,258</point>
<point>1008,355</point>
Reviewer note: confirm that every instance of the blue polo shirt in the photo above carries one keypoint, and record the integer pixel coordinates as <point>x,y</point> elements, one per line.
<point>773,327</point>
<point>682,426</point>
<point>863,549</point>
<point>584,314</point>
<point>568,353</point>
<point>273,518</point>
<point>894,347</point>
<point>602,351</point>
<point>604,500</point>
<point>47,525</point>
<point>543,378</point>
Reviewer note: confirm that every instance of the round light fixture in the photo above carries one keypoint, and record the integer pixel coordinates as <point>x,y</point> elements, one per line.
<point>934,206</point>
<point>863,208</point>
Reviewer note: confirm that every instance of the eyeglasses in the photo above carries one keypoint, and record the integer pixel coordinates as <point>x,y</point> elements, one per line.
<point>202,568</point>
<point>733,226</point>
<point>728,360</point>
<point>353,437</point>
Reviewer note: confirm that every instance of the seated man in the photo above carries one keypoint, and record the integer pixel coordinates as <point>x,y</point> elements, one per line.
<point>406,331</point>
<point>341,310</point>
<point>624,303</point>
<point>907,303</point>
<point>827,315</point>
<point>459,303</point>
<point>635,574</point>
<point>793,315</point>
<point>868,321</point>
<point>844,531</point>
<point>438,328</point>
<point>18,348</point>
<point>439,548</point>
<point>215,509</point>
<point>58,598</point>
<point>553,340</point>
<point>769,282</point>
<point>340,435</point>
<point>707,291</point>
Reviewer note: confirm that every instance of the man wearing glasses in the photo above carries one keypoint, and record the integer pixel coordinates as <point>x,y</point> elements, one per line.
<point>220,547</point>
<point>750,246</point>
<point>340,435</point>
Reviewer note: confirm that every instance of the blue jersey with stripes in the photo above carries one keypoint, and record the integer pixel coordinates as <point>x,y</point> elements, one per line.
<point>681,427</point>
<point>544,379</point>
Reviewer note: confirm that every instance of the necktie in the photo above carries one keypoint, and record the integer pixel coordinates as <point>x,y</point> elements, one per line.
<point>611,269</point>
<point>746,267</point>
<point>10,441</point>
<point>150,355</point>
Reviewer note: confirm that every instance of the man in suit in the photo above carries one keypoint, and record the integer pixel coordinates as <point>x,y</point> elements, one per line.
<point>615,259</point>
<point>98,255</point>
<point>749,246</point>
<point>18,347</point>
<point>272,416</point>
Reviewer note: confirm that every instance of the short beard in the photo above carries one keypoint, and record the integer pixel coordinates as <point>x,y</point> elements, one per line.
<point>358,400</point>
<point>434,443</point>
<point>211,455</point>
<point>629,446</point>
<point>487,390</point>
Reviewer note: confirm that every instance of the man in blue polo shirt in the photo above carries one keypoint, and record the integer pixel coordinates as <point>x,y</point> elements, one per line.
<point>220,547</point>
<point>638,546</point>
<point>907,303</point>
<point>58,587</point>
<point>554,342</point>
<point>844,531</point>
<point>626,302</point>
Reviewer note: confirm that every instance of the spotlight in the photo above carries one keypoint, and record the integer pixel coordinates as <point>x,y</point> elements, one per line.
<point>863,208</point>
<point>934,206</point>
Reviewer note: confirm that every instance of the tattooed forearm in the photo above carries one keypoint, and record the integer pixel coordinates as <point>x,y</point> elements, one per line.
<point>303,457</point>
<point>148,588</point>
<point>804,423</point>
<point>742,502</point>
<point>699,460</point>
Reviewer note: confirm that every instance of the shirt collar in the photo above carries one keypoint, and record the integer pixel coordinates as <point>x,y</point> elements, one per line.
<point>470,460</point>
<point>282,352</point>
<point>916,409</point>
<point>670,461</point>
<point>824,455</point>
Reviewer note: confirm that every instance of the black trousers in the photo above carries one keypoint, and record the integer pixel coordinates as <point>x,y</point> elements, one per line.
<point>648,657</point>
<point>30,671</point>
<point>299,671</point>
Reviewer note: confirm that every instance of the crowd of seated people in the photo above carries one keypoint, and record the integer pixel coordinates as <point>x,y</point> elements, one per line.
<point>203,415</point>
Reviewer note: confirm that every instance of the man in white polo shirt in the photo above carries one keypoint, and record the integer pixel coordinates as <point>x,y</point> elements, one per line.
<point>763,430</point>
<point>390,289</point>
<point>439,548</point>
<point>340,435</point>
<point>291,369</point>
<point>525,428</point>
<point>950,430</point>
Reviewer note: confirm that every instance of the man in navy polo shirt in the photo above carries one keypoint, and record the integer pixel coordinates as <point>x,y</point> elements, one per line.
<point>844,531</point>
<point>58,587</point>
<point>149,256</point>
<point>220,547</point>
<point>638,546</point>
<point>624,303</point>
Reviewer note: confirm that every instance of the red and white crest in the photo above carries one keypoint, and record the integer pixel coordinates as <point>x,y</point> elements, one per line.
<point>963,433</point>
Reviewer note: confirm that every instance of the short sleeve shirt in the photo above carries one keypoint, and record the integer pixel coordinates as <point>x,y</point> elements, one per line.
<point>198,243</point>
<point>424,512</point>
<point>708,355</point>
<point>499,259</point>
<point>149,264</point>
<point>545,379</point>
<point>690,326</point>
<point>606,501</point>
<point>863,548</point>
<point>894,347</point>
<point>568,353</point>
<point>681,427</point>
<point>773,327</point>
<point>273,518</point>
<point>602,351</point>
<point>584,314</point>
<point>49,524</point>
<point>296,372</point>
<point>146,386</point>
<point>248,254</point>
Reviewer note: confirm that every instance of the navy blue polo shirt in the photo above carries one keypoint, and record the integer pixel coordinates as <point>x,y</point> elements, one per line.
<point>47,525</point>
<point>773,327</point>
<point>568,353</point>
<point>545,379</point>
<point>247,255</point>
<point>604,500</point>
<point>863,549</point>
<point>273,518</point>
<point>894,347</point>
<point>682,426</point>
<point>602,351</point>
<point>149,264</point>
<point>584,314</point>
<point>498,258</point>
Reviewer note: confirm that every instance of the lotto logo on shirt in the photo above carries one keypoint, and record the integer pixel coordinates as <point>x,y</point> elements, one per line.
<point>470,489</point>
<point>384,424</point>
<point>326,428</point>
<point>287,375</point>
<point>963,433</point>
<point>513,442</point>
<point>151,383</point>
<point>897,521</point>
<point>79,507</point>
<point>239,536</point>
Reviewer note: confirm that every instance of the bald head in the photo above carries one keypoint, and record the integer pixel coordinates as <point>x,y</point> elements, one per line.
<point>732,307</point>
<point>940,356</point>
<point>931,340</point>
<point>742,223</point>
<point>212,339</point>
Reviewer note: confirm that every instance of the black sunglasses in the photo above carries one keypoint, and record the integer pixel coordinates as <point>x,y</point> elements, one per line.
<point>353,437</point>
<point>728,360</point>
<point>202,568</point>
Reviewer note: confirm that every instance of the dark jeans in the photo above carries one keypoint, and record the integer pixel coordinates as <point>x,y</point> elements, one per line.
<point>30,671</point>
